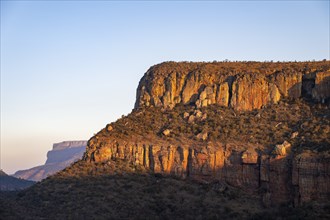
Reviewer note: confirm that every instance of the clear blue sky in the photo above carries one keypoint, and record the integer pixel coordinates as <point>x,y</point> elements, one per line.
<point>69,68</point>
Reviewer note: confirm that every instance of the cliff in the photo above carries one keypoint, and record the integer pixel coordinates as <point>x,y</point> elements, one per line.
<point>280,152</point>
<point>62,155</point>
<point>242,86</point>
<point>194,126</point>
<point>241,140</point>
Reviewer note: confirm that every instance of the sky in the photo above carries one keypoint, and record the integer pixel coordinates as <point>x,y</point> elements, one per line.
<point>68,68</point>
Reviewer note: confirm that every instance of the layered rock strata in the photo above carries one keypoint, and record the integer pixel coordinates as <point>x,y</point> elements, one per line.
<point>280,175</point>
<point>281,178</point>
<point>202,84</point>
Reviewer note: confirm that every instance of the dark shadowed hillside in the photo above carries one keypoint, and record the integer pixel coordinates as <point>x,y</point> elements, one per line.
<point>9,183</point>
<point>239,140</point>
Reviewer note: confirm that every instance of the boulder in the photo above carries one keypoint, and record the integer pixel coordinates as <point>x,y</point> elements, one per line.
<point>250,157</point>
<point>202,136</point>
<point>186,115</point>
<point>109,128</point>
<point>166,132</point>
<point>191,119</point>
<point>281,149</point>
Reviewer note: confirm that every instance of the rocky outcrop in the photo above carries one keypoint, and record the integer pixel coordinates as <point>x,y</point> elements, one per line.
<point>252,91</point>
<point>288,83</point>
<point>281,177</point>
<point>247,88</point>
<point>321,91</point>
<point>277,172</point>
<point>310,177</point>
<point>62,155</point>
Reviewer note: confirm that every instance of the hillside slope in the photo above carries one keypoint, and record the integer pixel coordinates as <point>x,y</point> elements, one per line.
<point>9,183</point>
<point>281,147</point>
<point>261,155</point>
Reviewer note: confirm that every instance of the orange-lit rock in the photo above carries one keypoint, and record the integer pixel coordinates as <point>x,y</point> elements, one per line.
<point>297,178</point>
<point>252,91</point>
<point>321,91</point>
<point>288,83</point>
<point>169,84</point>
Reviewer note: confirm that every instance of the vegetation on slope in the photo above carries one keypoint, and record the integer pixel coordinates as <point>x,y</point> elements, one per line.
<point>232,67</point>
<point>268,126</point>
<point>9,183</point>
<point>85,191</point>
<point>127,193</point>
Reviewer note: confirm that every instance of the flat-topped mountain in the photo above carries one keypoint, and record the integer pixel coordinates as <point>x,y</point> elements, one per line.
<point>253,125</point>
<point>231,140</point>
<point>62,155</point>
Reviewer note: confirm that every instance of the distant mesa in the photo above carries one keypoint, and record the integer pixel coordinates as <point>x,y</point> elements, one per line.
<point>9,183</point>
<point>62,155</point>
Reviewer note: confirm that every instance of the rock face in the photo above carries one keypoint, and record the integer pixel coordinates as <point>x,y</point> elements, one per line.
<point>282,178</point>
<point>321,91</point>
<point>243,88</point>
<point>252,91</point>
<point>279,174</point>
<point>61,156</point>
<point>310,177</point>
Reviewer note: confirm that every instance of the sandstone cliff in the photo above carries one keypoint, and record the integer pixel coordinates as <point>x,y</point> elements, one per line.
<point>62,155</point>
<point>294,179</point>
<point>187,123</point>
<point>243,140</point>
<point>242,86</point>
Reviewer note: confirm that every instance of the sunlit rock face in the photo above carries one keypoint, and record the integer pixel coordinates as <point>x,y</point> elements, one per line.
<point>252,91</point>
<point>265,95</point>
<point>243,86</point>
<point>281,177</point>
<point>62,155</point>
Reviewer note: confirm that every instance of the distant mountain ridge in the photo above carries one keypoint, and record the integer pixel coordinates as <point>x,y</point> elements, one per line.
<point>61,156</point>
<point>9,183</point>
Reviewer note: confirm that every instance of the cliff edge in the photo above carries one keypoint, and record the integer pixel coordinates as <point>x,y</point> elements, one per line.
<point>256,126</point>
<point>241,86</point>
